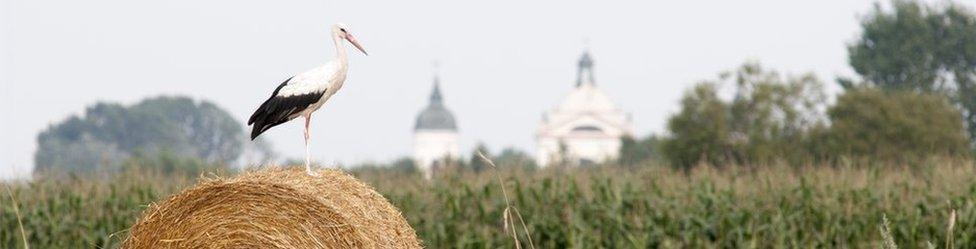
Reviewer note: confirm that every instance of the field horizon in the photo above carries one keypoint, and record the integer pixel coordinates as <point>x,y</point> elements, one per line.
<point>607,206</point>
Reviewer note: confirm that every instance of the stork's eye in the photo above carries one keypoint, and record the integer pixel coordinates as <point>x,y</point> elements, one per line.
<point>343,30</point>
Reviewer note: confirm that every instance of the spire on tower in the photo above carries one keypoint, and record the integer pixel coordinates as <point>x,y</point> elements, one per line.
<point>435,116</point>
<point>584,74</point>
<point>435,94</point>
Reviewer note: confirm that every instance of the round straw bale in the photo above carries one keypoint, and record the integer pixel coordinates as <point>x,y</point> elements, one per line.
<point>274,208</point>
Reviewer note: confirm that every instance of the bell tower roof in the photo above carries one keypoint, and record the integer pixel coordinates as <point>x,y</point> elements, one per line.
<point>435,116</point>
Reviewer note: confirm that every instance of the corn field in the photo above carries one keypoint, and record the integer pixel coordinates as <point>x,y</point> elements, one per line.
<point>610,207</point>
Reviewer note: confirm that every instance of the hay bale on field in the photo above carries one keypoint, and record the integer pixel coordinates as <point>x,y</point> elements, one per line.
<point>274,208</point>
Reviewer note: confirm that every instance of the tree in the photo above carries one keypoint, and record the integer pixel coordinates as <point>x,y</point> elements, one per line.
<point>766,120</point>
<point>477,164</point>
<point>922,48</point>
<point>770,114</point>
<point>699,132</point>
<point>82,154</point>
<point>166,162</point>
<point>211,133</point>
<point>634,152</point>
<point>895,125</point>
<point>108,134</point>
<point>404,165</point>
<point>513,157</point>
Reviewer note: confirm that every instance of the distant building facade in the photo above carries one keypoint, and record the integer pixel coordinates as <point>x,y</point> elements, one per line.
<point>585,128</point>
<point>435,135</point>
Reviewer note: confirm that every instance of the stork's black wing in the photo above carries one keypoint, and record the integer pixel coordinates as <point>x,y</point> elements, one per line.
<point>279,109</point>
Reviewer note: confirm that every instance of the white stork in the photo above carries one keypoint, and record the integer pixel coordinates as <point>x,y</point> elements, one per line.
<point>306,92</point>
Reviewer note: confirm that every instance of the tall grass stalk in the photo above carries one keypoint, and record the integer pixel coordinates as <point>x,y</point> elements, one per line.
<point>888,241</point>
<point>20,222</point>
<point>949,230</point>
<point>507,217</point>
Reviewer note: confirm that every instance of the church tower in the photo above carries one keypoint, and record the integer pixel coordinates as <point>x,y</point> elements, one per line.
<point>435,134</point>
<point>585,128</point>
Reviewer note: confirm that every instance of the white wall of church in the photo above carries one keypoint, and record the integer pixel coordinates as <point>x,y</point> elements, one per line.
<point>433,145</point>
<point>592,136</point>
<point>594,149</point>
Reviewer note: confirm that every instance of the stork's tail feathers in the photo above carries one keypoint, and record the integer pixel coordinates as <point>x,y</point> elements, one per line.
<point>256,127</point>
<point>256,131</point>
<point>265,118</point>
<point>279,109</point>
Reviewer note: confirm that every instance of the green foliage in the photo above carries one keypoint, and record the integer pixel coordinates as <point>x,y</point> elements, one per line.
<point>513,157</point>
<point>895,125</point>
<point>405,166</point>
<point>401,167</point>
<point>634,152</point>
<point>108,134</point>
<point>767,120</point>
<point>476,164</point>
<point>644,207</point>
<point>168,163</point>
<point>896,50</point>
<point>919,47</point>
<point>81,212</point>
<point>699,132</point>
<point>913,50</point>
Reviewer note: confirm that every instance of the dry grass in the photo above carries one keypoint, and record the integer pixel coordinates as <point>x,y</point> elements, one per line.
<point>274,208</point>
<point>887,240</point>
<point>507,217</point>
<point>950,239</point>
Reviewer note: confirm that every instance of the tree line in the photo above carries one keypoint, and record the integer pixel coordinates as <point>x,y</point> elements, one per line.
<point>166,133</point>
<point>914,97</point>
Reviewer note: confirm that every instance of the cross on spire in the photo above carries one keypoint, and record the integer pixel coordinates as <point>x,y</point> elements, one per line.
<point>435,94</point>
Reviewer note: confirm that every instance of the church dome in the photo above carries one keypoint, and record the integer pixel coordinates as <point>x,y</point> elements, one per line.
<point>587,98</point>
<point>435,116</point>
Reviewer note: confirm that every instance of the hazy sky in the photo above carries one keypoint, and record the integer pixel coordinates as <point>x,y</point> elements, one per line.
<point>502,62</point>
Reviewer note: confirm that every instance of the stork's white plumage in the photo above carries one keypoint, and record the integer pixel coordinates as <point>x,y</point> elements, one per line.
<point>303,94</point>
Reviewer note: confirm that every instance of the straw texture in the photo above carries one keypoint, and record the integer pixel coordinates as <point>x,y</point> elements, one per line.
<point>274,208</point>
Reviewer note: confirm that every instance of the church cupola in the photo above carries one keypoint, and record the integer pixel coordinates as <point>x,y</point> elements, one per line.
<point>435,134</point>
<point>435,116</point>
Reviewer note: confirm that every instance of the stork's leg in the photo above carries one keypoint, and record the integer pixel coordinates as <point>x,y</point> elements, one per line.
<point>308,160</point>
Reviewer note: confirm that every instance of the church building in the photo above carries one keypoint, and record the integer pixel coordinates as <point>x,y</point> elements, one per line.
<point>435,135</point>
<point>585,128</point>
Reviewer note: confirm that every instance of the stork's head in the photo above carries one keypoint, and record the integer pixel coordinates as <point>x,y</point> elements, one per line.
<point>341,30</point>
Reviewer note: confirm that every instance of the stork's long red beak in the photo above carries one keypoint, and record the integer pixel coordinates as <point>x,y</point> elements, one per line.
<point>352,40</point>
